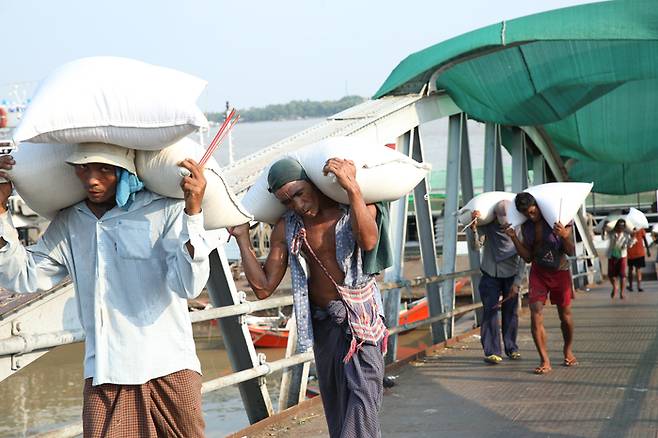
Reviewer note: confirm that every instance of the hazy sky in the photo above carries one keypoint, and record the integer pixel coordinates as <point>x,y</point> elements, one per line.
<point>252,53</point>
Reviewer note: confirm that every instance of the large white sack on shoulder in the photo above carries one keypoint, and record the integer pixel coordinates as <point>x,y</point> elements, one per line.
<point>383,174</point>
<point>113,100</point>
<point>560,201</point>
<point>262,204</point>
<point>44,180</point>
<point>485,204</point>
<point>637,218</point>
<point>160,173</point>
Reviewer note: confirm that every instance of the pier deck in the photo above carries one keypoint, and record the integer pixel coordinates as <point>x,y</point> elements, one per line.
<point>451,392</point>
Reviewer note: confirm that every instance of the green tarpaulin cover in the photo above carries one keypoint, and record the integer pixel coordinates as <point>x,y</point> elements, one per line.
<point>588,75</point>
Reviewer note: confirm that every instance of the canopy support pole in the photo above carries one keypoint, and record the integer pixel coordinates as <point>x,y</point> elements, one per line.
<point>427,243</point>
<point>467,195</point>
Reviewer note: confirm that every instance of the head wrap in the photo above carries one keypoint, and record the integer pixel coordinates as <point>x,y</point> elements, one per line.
<point>284,171</point>
<point>127,185</point>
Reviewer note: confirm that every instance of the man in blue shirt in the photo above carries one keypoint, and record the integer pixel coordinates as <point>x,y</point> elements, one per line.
<point>135,258</point>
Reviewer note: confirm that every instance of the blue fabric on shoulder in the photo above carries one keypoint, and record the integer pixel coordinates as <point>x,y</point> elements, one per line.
<point>127,185</point>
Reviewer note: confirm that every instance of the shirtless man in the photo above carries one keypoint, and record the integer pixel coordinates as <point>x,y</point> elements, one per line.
<point>546,248</point>
<point>339,245</point>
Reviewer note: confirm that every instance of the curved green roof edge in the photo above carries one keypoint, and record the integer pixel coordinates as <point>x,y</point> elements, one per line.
<point>633,20</point>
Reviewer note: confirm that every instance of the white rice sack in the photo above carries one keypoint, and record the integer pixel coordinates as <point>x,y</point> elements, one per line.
<point>637,218</point>
<point>560,201</point>
<point>160,173</point>
<point>113,100</point>
<point>383,174</point>
<point>654,229</point>
<point>44,180</point>
<point>263,205</point>
<point>485,204</point>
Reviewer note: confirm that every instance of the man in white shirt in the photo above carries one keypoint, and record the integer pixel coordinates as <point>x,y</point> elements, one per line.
<point>135,258</point>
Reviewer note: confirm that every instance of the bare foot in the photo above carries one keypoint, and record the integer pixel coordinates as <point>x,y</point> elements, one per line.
<point>544,368</point>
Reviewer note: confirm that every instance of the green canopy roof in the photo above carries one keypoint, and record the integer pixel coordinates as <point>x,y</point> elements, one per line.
<point>588,75</point>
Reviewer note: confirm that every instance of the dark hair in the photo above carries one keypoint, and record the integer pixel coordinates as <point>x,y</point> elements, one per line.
<point>523,201</point>
<point>620,221</point>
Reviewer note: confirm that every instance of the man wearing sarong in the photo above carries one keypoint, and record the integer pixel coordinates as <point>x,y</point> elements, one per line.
<point>333,251</point>
<point>502,272</point>
<point>546,247</point>
<point>135,258</point>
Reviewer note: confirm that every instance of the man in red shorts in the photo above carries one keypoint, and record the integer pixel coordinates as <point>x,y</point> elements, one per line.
<point>546,248</point>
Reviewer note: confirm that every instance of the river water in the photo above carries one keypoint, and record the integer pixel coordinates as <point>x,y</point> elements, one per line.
<point>47,394</point>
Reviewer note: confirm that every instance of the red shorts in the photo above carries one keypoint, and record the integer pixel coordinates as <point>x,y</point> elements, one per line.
<point>544,282</point>
<point>616,267</point>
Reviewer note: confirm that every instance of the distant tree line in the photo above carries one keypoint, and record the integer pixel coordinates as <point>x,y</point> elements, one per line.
<point>296,109</point>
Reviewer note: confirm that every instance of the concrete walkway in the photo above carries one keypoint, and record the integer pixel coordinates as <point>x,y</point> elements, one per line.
<point>451,392</point>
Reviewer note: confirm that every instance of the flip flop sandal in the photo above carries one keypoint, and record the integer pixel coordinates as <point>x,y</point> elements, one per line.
<point>570,362</point>
<point>543,370</point>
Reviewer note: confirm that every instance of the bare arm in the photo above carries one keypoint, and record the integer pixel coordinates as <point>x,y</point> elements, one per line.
<point>364,224</point>
<point>477,240</point>
<point>565,233</point>
<point>194,187</point>
<point>263,279</point>
<point>521,248</point>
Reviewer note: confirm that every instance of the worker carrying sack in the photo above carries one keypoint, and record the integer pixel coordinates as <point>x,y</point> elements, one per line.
<point>382,173</point>
<point>113,100</point>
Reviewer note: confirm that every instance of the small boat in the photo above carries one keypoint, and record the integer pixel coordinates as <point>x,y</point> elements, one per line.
<point>271,332</point>
<point>268,331</point>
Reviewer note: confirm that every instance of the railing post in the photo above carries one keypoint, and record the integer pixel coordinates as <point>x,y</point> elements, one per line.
<point>451,206</point>
<point>467,195</point>
<point>238,343</point>
<point>398,231</point>
<point>294,379</point>
<point>425,225</point>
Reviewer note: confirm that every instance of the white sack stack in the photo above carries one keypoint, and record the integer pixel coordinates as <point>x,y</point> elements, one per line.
<point>113,100</point>
<point>383,174</point>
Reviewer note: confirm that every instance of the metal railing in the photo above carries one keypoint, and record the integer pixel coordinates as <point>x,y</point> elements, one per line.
<point>24,343</point>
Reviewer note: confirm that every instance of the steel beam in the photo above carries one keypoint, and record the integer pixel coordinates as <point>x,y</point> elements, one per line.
<point>538,170</point>
<point>397,232</point>
<point>467,195</point>
<point>425,226</point>
<point>238,343</point>
<point>519,161</point>
<point>489,183</point>
<point>500,176</point>
<point>450,208</point>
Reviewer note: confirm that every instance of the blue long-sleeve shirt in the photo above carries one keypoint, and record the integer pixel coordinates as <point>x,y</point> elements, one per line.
<point>132,275</point>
